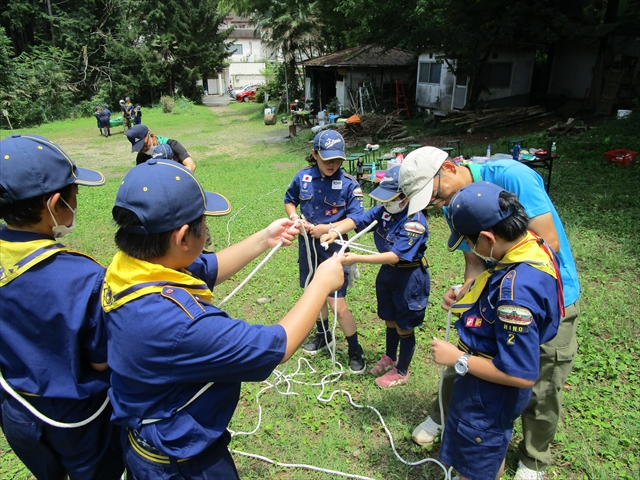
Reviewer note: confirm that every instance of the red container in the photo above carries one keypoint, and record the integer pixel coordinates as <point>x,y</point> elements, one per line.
<point>621,156</point>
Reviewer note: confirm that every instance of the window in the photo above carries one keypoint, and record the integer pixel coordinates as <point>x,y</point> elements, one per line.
<point>497,75</point>
<point>236,49</point>
<point>430,72</point>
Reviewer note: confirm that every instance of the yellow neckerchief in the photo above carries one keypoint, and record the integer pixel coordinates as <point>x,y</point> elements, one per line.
<point>128,278</point>
<point>18,257</point>
<point>530,250</point>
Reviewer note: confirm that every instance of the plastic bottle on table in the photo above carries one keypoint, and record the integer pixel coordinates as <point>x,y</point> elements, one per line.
<point>373,171</point>
<point>488,151</point>
<point>553,149</point>
<point>516,152</point>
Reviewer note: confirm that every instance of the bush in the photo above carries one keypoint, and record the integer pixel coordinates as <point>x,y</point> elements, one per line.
<point>167,103</point>
<point>260,96</point>
<point>183,106</point>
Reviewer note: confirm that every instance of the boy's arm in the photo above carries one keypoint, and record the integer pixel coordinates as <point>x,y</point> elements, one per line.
<point>445,353</point>
<point>232,259</point>
<point>302,317</point>
<point>386,258</point>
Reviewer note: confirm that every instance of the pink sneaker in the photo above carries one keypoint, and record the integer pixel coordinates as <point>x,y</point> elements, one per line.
<point>383,366</point>
<point>392,379</point>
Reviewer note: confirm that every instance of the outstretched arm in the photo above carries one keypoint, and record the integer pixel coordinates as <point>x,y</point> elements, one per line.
<point>232,259</point>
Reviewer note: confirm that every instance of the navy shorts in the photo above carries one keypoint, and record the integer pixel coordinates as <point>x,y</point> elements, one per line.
<point>479,425</point>
<point>92,451</point>
<point>317,257</point>
<point>403,295</point>
<point>213,464</point>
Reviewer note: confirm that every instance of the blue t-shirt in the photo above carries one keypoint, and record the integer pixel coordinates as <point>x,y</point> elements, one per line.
<point>165,346</point>
<point>529,187</point>
<point>52,326</point>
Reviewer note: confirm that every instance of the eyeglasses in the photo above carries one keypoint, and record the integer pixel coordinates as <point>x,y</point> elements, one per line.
<point>438,196</point>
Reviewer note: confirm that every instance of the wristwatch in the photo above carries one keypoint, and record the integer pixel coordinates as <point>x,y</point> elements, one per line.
<point>462,365</point>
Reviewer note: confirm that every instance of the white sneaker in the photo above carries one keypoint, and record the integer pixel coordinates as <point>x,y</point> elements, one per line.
<point>426,432</point>
<point>525,473</point>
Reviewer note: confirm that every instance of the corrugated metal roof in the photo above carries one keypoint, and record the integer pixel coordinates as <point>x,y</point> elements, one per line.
<point>363,56</point>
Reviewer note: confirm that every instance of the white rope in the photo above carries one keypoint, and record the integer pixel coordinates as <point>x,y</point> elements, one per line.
<point>287,380</point>
<point>42,416</point>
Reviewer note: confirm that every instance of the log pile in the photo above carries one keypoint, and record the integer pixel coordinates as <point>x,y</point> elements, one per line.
<point>568,128</point>
<point>495,117</point>
<point>375,128</point>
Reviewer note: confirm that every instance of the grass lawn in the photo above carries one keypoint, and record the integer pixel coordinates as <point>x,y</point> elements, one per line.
<point>250,163</point>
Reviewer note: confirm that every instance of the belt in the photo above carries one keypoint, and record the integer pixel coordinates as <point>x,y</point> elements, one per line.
<point>401,264</point>
<point>148,451</point>
<point>465,348</point>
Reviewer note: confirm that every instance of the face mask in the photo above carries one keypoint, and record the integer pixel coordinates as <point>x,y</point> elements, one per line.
<point>488,259</point>
<point>60,231</point>
<point>395,206</point>
<point>150,151</point>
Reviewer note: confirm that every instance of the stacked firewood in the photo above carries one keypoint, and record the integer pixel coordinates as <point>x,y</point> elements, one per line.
<point>567,128</point>
<point>375,128</point>
<point>494,117</point>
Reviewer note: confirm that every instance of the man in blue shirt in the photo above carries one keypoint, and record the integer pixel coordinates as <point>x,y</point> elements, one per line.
<point>428,178</point>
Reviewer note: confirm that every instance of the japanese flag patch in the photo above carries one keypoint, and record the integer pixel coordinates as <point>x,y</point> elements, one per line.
<point>514,315</point>
<point>386,216</point>
<point>414,227</point>
<point>307,178</point>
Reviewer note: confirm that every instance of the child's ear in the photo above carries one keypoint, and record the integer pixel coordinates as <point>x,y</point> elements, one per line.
<point>489,236</point>
<point>179,237</point>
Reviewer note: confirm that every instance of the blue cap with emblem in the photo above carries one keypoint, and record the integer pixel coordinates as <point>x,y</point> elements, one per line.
<point>162,151</point>
<point>388,189</point>
<point>32,165</point>
<point>329,144</point>
<point>164,196</point>
<point>473,209</point>
<point>136,136</point>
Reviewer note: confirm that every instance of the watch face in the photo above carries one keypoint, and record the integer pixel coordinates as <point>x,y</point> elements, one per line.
<point>460,368</point>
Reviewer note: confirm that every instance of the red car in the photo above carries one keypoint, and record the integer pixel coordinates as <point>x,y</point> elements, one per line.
<point>247,95</point>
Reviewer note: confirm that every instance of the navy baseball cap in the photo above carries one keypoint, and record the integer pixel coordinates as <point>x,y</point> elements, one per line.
<point>388,188</point>
<point>32,165</point>
<point>164,195</point>
<point>329,144</point>
<point>473,209</point>
<point>162,151</point>
<point>136,136</point>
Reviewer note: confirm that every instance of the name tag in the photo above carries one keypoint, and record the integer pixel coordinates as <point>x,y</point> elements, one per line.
<point>336,185</point>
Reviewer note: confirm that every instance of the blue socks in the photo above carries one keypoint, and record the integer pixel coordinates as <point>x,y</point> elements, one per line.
<point>407,347</point>
<point>392,343</point>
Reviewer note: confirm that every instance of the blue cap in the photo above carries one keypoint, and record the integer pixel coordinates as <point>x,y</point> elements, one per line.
<point>164,196</point>
<point>32,165</point>
<point>329,144</point>
<point>388,188</point>
<point>473,209</point>
<point>136,136</point>
<point>162,151</point>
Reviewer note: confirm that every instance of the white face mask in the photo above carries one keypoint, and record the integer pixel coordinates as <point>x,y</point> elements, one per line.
<point>395,206</point>
<point>60,231</point>
<point>488,259</point>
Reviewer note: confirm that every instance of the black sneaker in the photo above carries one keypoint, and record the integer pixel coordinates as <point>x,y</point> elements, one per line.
<point>356,362</point>
<point>318,343</point>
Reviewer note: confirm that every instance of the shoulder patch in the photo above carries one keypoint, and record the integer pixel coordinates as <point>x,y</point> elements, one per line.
<point>357,192</point>
<point>414,227</point>
<point>184,300</point>
<point>515,315</point>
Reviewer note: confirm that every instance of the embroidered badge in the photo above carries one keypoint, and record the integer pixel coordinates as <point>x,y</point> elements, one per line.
<point>336,185</point>
<point>357,192</point>
<point>473,322</point>
<point>414,227</point>
<point>304,186</point>
<point>515,315</point>
<point>386,216</point>
<point>307,178</point>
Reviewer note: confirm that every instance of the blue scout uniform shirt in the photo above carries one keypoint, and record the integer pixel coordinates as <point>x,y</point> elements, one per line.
<point>406,237</point>
<point>51,322</point>
<point>323,200</point>
<point>528,186</point>
<point>515,348</point>
<point>165,346</point>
